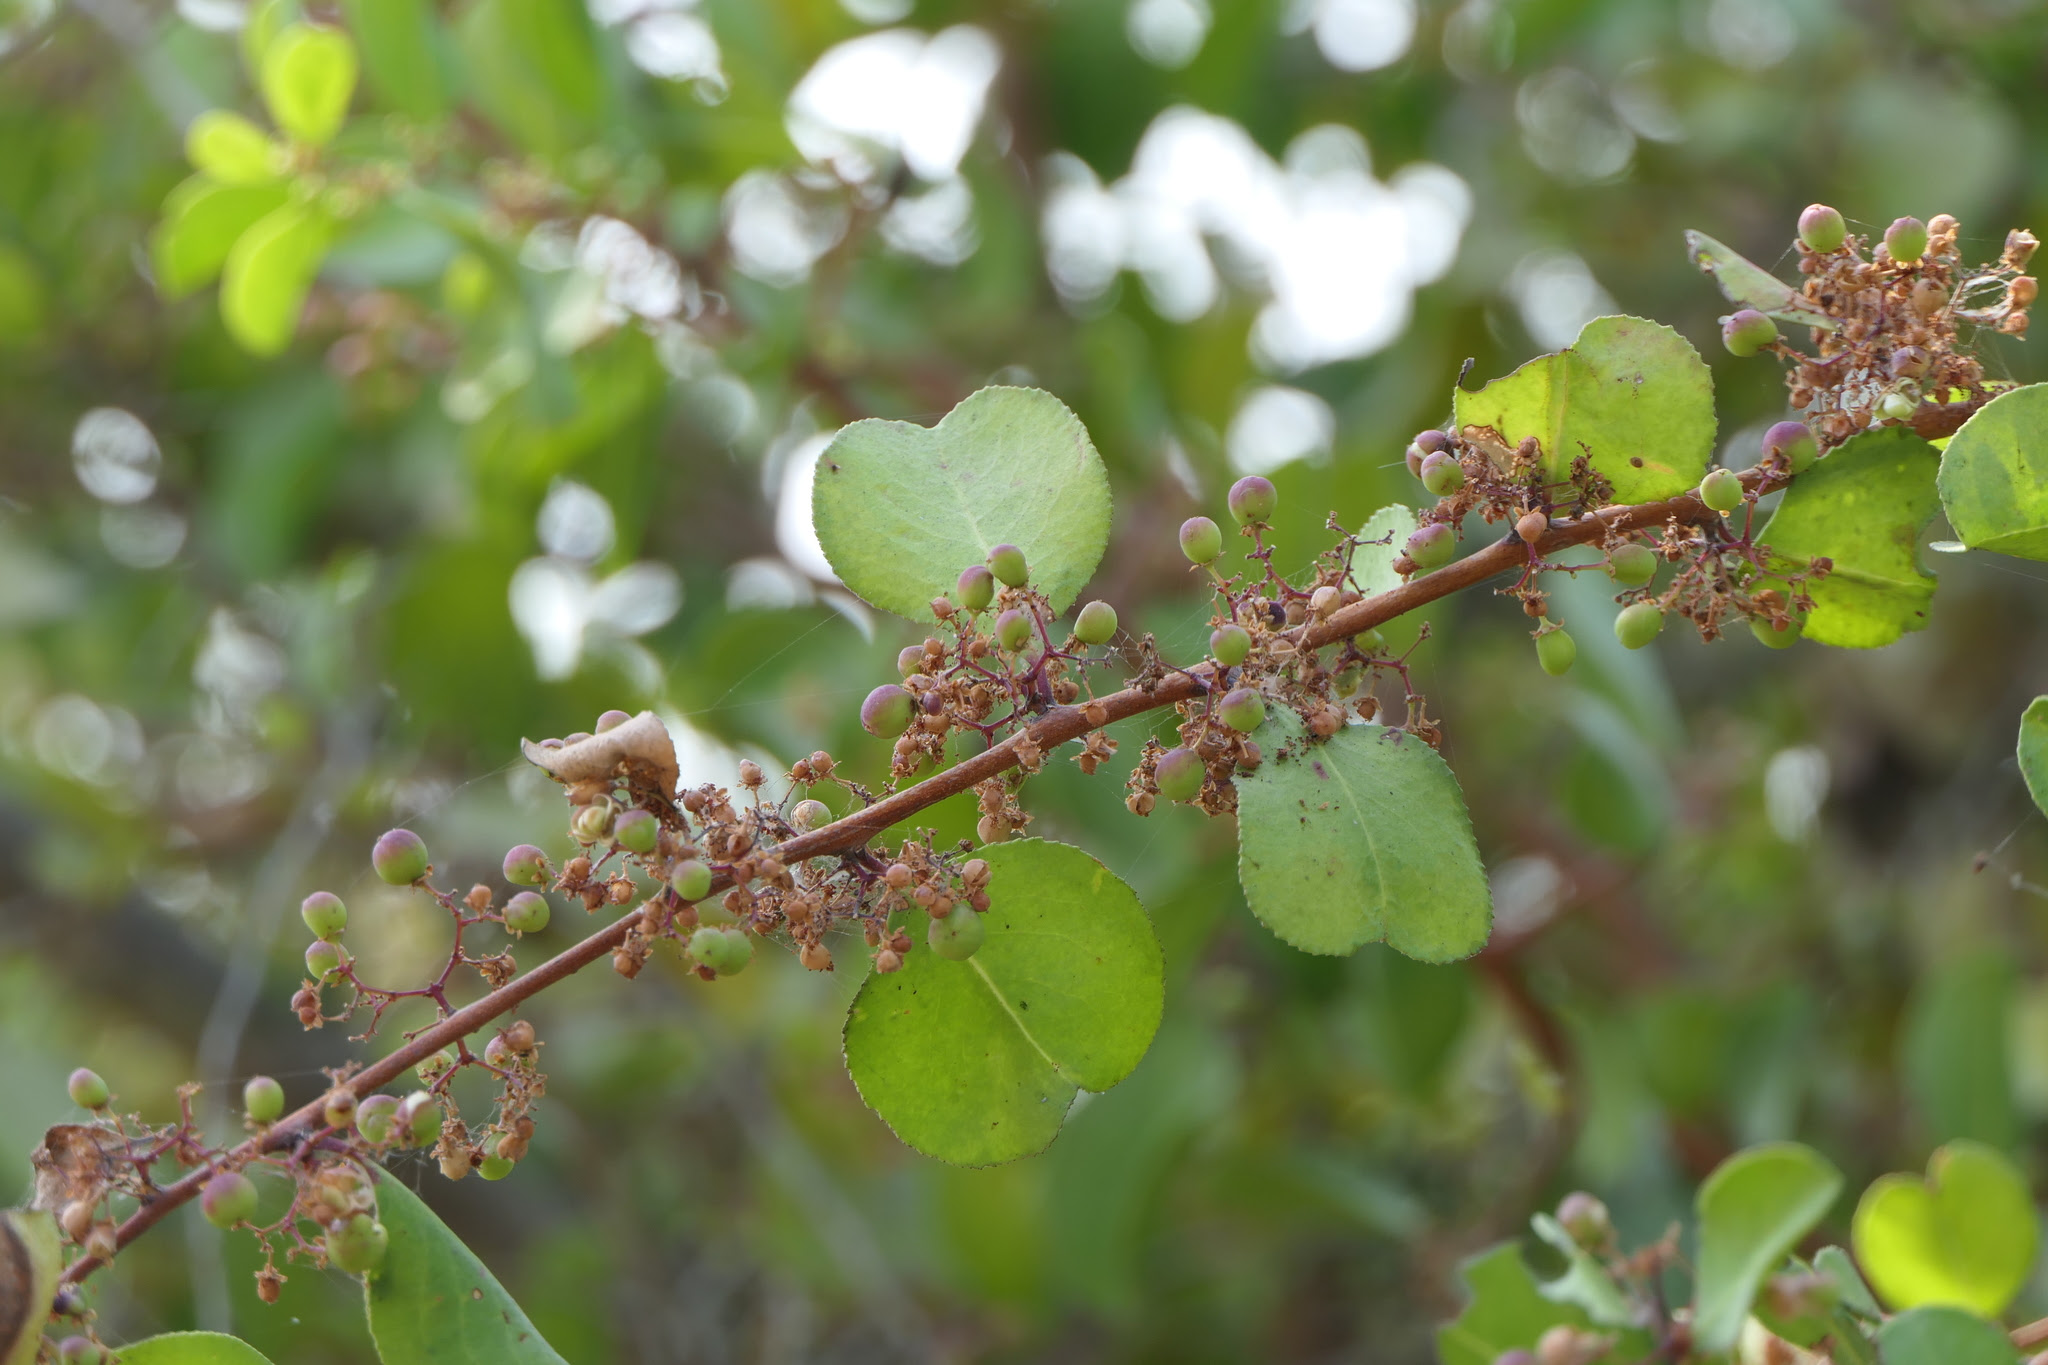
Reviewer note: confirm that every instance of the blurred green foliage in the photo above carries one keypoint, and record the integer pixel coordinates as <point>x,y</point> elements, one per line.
<point>253,611</point>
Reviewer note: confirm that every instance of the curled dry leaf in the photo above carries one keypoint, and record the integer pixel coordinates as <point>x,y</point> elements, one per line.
<point>640,750</point>
<point>76,1161</point>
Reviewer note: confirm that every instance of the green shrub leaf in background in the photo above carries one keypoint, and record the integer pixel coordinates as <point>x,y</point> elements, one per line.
<point>232,150</point>
<point>1632,395</point>
<point>192,1348</point>
<point>1943,1336</point>
<point>1956,1049</point>
<point>1506,1310</point>
<point>901,509</point>
<point>432,1302</point>
<point>2033,750</point>
<point>30,1259</point>
<point>1752,1210</point>
<point>1965,1236</point>
<point>1585,1283</point>
<point>1994,475</point>
<point>267,273</point>
<point>308,77</point>
<point>1863,507</point>
<point>977,1062</point>
<point>401,51</point>
<point>1359,839</point>
<point>202,220</point>
<point>1372,566</point>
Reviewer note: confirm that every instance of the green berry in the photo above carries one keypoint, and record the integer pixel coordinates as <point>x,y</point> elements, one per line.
<point>1006,562</point>
<point>88,1091</point>
<point>637,831</point>
<point>1442,474</point>
<point>910,659</point>
<point>1556,652</point>
<point>956,935</point>
<point>339,1108</point>
<point>227,1199</point>
<point>434,1066</point>
<point>324,914</point>
<point>1371,641</point>
<point>77,1350</point>
<point>1433,546</point>
<point>527,912</point>
<point>262,1099</point>
<point>1638,624</point>
<point>977,586</point>
<point>1793,443</point>
<point>1179,774</point>
<point>1746,331</point>
<point>1632,565</point>
<point>377,1119</point>
<point>1822,228</point>
<point>419,1118</point>
<point>809,814</point>
<point>1201,540</point>
<point>356,1246</point>
<point>691,880</point>
<point>1252,499</point>
<point>526,865</point>
<point>1013,630</point>
<point>610,720</point>
<point>1242,710</point>
<point>1230,644</point>
<point>1721,490</point>
<point>323,961</point>
<point>1096,624</point>
<point>1767,632</point>
<point>725,951</point>
<point>400,857</point>
<point>494,1167</point>
<point>886,710</point>
<point>1906,240</point>
<point>1896,407</point>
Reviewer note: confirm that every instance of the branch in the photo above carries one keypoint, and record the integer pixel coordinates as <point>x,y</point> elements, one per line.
<point>1058,727</point>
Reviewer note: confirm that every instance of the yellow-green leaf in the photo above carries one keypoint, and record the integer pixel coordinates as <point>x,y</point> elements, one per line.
<point>1964,1236</point>
<point>222,144</point>
<point>1994,475</point>
<point>201,223</point>
<point>266,276</point>
<point>308,77</point>
<point>192,1348</point>
<point>433,1302</point>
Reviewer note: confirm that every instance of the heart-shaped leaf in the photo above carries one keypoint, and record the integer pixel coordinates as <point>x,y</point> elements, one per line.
<point>1943,1336</point>
<point>976,1062</point>
<point>30,1258</point>
<point>1631,396</point>
<point>192,1348</point>
<point>901,509</point>
<point>2033,750</point>
<point>1965,1236</point>
<point>432,1302</point>
<point>1752,1210</point>
<point>1994,475</point>
<point>1357,839</point>
<point>1863,507</point>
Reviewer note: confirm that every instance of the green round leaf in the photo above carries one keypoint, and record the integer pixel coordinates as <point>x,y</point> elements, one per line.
<point>1505,1310</point>
<point>1863,507</point>
<point>901,509</point>
<point>231,149</point>
<point>1994,475</point>
<point>192,1348</point>
<point>1965,1236</point>
<point>1633,396</point>
<point>1361,838</point>
<point>201,223</point>
<point>2033,750</point>
<point>1943,1336</point>
<point>432,1302</point>
<point>266,275</point>
<point>308,77</point>
<point>1752,1210</point>
<point>976,1062</point>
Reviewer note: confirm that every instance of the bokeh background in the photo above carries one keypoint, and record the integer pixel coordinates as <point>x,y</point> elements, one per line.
<point>252,612</point>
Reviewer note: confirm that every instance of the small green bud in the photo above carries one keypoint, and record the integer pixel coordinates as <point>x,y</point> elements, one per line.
<point>1013,630</point>
<point>1896,407</point>
<point>1768,632</point>
<point>1638,624</point>
<point>356,1246</point>
<point>1442,474</point>
<point>377,1119</point>
<point>1556,651</point>
<point>1433,546</point>
<point>1721,490</point>
<point>1822,228</point>
<point>725,951</point>
<point>1252,499</point>
<point>1230,644</point>
<point>527,912</point>
<point>262,1099</point>
<point>400,857</point>
<point>324,914</point>
<point>977,586</point>
<point>1201,540</point>
<point>1242,710</point>
<point>1585,1218</point>
<point>88,1091</point>
<point>1906,240</point>
<point>1632,565</point>
<point>525,865</point>
<point>1746,331</point>
<point>1096,624</point>
<point>886,710</point>
<point>636,831</point>
<point>957,934</point>
<point>227,1199</point>
<point>1006,562</point>
<point>691,880</point>
<point>1793,443</point>
<point>1178,774</point>
<point>323,961</point>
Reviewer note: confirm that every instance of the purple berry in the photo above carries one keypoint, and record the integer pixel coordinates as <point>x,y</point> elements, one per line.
<point>526,865</point>
<point>1822,228</point>
<point>1201,540</point>
<point>227,1199</point>
<point>1793,443</point>
<point>1746,331</point>
<point>1252,499</point>
<point>1006,562</point>
<point>1432,440</point>
<point>1178,774</point>
<point>977,586</point>
<point>324,914</point>
<point>400,857</point>
<point>886,710</point>
<point>1906,240</point>
<point>1432,546</point>
<point>527,912</point>
<point>909,660</point>
<point>262,1099</point>
<point>1442,474</point>
<point>88,1091</point>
